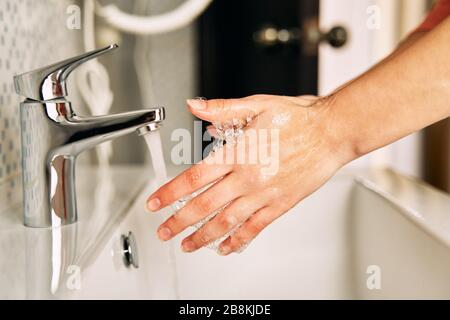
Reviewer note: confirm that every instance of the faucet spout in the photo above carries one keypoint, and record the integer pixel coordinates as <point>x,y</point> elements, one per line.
<point>53,136</point>
<point>86,132</point>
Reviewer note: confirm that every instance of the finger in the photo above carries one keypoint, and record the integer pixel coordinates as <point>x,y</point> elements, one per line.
<point>221,110</point>
<point>212,131</point>
<point>220,194</point>
<point>194,178</point>
<point>248,231</point>
<point>232,216</point>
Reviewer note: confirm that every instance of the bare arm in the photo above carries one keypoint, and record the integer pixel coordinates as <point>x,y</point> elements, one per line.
<point>403,94</point>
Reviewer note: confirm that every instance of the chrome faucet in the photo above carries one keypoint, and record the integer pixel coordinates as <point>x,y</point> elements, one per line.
<point>53,135</point>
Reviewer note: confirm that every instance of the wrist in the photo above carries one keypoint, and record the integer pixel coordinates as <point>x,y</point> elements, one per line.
<point>343,142</point>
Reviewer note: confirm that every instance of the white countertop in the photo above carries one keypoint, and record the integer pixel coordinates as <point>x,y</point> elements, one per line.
<point>33,258</point>
<point>104,197</point>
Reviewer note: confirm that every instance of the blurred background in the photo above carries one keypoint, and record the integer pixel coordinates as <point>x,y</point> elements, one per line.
<point>219,48</point>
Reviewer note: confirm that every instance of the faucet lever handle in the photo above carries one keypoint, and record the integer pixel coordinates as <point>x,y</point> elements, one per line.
<point>49,82</point>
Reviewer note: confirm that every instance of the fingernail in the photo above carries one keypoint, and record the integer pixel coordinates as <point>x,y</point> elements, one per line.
<point>224,250</point>
<point>154,204</point>
<point>164,234</point>
<point>197,103</point>
<point>188,246</point>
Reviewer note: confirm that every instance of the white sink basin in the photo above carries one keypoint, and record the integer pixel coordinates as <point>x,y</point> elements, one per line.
<point>360,221</point>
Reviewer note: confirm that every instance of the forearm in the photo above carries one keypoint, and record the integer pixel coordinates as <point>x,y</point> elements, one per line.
<point>405,93</point>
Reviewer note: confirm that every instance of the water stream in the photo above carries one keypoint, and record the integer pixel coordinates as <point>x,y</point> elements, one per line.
<point>153,140</point>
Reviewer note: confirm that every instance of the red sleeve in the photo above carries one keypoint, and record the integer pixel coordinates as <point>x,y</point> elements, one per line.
<point>439,12</point>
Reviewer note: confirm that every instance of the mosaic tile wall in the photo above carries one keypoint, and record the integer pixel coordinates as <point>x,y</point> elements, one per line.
<point>33,33</point>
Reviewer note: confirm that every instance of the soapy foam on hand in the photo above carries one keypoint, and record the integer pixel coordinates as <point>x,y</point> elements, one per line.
<point>281,119</point>
<point>227,132</point>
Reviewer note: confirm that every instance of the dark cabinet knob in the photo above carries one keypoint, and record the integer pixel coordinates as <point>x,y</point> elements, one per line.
<point>336,37</point>
<point>309,36</point>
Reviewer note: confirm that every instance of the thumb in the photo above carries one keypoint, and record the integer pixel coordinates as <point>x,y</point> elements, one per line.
<point>221,110</point>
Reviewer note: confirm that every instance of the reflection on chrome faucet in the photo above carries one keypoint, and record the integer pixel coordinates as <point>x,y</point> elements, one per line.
<point>53,136</point>
<point>49,253</point>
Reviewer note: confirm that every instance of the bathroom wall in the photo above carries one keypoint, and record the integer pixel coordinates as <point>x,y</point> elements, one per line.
<point>33,33</point>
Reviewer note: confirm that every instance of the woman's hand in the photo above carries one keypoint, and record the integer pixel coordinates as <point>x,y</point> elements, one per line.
<point>398,96</point>
<point>304,147</point>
